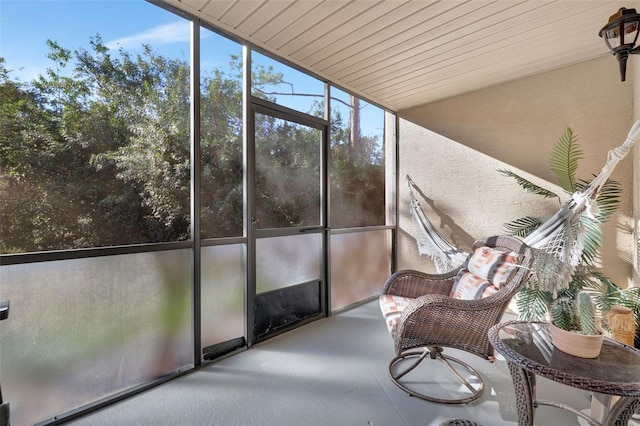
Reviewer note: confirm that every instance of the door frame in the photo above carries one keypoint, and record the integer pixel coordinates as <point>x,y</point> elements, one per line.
<point>261,106</point>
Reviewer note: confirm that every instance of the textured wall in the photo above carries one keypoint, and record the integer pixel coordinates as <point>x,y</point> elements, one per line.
<point>515,126</point>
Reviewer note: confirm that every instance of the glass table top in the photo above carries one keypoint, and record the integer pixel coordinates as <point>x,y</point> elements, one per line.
<point>529,345</point>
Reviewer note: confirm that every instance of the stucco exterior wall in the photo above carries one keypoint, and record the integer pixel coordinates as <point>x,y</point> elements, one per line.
<point>514,126</point>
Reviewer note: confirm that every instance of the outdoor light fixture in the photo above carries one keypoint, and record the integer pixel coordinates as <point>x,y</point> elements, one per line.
<point>620,34</point>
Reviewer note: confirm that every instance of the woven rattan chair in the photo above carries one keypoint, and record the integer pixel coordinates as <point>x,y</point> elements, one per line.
<point>432,320</point>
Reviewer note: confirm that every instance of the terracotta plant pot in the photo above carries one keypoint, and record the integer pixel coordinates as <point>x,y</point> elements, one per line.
<point>576,344</point>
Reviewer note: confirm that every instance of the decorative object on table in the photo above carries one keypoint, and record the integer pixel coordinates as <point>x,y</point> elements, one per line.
<point>627,298</point>
<point>574,329</point>
<point>426,313</point>
<point>622,323</point>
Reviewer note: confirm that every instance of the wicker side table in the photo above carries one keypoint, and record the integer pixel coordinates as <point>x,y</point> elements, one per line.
<point>529,353</point>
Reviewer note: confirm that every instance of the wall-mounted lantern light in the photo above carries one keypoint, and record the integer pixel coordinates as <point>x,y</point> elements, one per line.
<point>620,34</point>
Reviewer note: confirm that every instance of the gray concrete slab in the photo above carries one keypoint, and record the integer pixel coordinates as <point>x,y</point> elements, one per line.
<point>330,372</point>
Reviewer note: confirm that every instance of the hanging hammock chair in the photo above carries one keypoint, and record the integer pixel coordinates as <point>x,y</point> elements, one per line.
<point>558,242</point>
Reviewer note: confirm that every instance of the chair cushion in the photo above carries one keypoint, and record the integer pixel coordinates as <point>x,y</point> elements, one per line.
<point>492,264</point>
<point>392,307</point>
<point>469,286</point>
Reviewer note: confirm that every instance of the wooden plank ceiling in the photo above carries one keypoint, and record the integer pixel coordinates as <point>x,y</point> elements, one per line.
<point>404,53</point>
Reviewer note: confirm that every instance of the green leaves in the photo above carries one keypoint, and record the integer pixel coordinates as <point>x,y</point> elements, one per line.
<point>562,313</point>
<point>564,160</point>
<point>529,186</point>
<point>592,240</point>
<point>532,303</point>
<point>524,226</point>
<point>96,152</point>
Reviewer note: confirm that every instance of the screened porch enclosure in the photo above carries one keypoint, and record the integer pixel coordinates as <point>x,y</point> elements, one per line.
<point>82,331</point>
<point>193,192</point>
<point>176,210</point>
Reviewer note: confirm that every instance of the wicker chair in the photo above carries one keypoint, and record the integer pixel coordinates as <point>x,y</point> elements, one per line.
<point>431,320</point>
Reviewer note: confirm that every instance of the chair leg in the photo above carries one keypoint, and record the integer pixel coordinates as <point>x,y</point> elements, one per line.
<point>421,357</point>
<point>436,353</point>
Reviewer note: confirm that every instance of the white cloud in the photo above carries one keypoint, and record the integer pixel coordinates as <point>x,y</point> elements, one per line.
<point>164,34</point>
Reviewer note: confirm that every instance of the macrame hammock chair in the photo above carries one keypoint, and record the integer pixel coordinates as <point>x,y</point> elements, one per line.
<point>558,242</point>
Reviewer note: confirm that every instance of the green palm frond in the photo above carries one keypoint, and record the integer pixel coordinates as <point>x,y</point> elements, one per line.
<point>532,303</point>
<point>633,295</point>
<point>528,185</point>
<point>614,295</point>
<point>610,293</point>
<point>592,239</point>
<point>564,158</point>
<point>593,282</point>
<point>524,226</point>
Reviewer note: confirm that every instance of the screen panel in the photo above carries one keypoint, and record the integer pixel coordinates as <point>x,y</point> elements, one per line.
<point>357,162</point>
<point>97,153</point>
<point>288,260</point>
<point>276,82</point>
<point>287,173</point>
<point>221,144</point>
<point>84,329</point>
<point>223,281</point>
<point>360,265</point>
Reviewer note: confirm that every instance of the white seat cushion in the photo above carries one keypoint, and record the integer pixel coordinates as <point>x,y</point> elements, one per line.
<point>392,307</point>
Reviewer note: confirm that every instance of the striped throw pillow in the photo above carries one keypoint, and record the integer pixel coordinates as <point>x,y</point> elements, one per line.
<point>492,265</point>
<point>469,286</point>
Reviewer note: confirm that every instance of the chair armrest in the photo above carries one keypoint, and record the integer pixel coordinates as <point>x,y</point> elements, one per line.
<point>413,284</point>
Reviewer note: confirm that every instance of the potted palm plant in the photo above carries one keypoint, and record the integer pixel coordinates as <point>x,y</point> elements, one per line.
<point>534,302</point>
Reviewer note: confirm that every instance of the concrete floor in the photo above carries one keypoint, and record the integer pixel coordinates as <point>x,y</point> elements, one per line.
<point>330,372</point>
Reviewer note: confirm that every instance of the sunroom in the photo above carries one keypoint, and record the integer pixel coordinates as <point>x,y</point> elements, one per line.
<point>184,181</point>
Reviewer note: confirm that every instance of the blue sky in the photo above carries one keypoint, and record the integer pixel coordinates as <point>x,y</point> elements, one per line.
<point>25,25</point>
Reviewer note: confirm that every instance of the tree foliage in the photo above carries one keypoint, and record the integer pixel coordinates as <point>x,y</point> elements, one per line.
<point>96,152</point>
<point>357,176</point>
